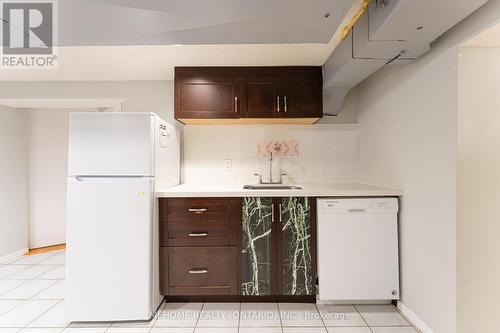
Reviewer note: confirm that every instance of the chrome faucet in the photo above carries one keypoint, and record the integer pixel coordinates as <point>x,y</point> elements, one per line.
<point>271,173</point>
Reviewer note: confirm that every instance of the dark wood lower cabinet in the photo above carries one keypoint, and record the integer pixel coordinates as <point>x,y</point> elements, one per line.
<point>199,247</point>
<point>278,247</point>
<point>238,249</point>
<point>202,270</point>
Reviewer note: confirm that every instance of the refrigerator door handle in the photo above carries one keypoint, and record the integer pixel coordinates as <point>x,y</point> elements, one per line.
<point>83,178</point>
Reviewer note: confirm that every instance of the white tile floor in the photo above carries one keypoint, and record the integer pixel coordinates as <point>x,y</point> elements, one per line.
<point>32,301</point>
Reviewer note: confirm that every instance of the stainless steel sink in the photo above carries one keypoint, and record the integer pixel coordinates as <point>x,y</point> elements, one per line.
<point>271,187</point>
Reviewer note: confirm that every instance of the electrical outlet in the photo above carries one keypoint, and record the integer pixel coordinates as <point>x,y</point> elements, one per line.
<point>227,165</point>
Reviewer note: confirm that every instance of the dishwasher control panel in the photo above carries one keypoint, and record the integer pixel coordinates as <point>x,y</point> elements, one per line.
<point>374,205</point>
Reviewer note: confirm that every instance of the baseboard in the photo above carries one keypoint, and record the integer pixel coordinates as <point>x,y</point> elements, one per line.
<point>13,255</point>
<point>413,318</point>
<point>45,249</point>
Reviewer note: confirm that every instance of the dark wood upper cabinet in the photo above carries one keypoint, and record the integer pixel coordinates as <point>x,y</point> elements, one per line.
<point>302,97</point>
<point>206,98</point>
<point>260,97</point>
<point>219,95</point>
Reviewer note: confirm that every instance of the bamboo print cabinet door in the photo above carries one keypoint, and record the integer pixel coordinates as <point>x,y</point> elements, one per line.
<point>297,246</point>
<point>256,254</point>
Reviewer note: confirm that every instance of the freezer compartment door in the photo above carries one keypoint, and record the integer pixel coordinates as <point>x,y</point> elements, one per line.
<point>111,143</point>
<point>109,249</point>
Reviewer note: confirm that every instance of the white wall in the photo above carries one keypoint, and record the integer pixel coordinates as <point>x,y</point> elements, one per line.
<point>48,143</point>
<point>478,195</point>
<point>13,181</point>
<point>408,139</point>
<point>48,161</point>
<point>327,153</point>
<point>141,96</point>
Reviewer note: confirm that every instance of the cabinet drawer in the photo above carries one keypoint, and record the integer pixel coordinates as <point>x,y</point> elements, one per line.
<point>197,234</point>
<point>199,221</point>
<point>203,267</point>
<point>196,209</point>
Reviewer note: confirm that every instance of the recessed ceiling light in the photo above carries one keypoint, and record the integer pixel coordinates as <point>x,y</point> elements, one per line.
<point>327,15</point>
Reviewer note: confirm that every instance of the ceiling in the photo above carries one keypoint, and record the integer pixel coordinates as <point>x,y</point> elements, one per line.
<point>115,62</point>
<point>166,22</point>
<point>488,38</point>
<point>157,62</point>
<point>64,103</point>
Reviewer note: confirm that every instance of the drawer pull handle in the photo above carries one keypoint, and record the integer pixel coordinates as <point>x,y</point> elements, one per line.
<point>198,210</point>
<point>198,271</point>
<point>198,234</point>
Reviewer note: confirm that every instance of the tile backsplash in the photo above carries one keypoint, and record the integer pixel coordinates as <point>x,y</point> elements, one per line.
<point>277,148</point>
<point>325,153</point>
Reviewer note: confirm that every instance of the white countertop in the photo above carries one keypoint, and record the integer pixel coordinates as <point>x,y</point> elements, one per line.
<point>308,190</point>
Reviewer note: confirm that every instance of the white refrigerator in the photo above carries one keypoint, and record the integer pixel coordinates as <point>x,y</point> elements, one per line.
<point>116,161</point>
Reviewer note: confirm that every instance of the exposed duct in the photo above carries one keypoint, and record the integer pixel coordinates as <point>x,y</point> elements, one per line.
<point>386,32</point>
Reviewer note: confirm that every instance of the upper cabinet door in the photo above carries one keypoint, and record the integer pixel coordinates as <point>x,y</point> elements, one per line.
<point>207,97</point>
<point>261,97</point>
<point>302,97</point>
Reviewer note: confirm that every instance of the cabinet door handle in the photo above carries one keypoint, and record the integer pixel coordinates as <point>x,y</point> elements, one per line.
<point>285,102</point>
<point>198,271</point>
<point>236,104</point>
<point>272,212</point>
<point>279,207</point>
<point>197,210</point>
<point>198,234</point>
<point>278,102</point>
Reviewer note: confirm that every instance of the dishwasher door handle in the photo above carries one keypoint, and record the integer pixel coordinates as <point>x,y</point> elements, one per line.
<point>357,210</point>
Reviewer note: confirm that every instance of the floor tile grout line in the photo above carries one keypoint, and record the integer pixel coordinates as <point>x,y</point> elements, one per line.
<point>22,270</point>
<point>199,315</point>
<point>26,280</point>
<point>12,288</point>
<point>108,327</point>
<point>406,318</point>
<point>4,313</point>
<point>38,293</point>
<point>239,317</point>
<point>8,277</point>
<point>361,315</point>
<point>155,317</point>
<point>67,326</point>
<point>31,297</point>
<point>321,317</point>
<point>43,313</point>
<point>25,256</point>
<point>281,320</point>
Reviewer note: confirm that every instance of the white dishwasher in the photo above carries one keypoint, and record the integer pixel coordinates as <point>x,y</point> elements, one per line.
<point>358,249</point>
